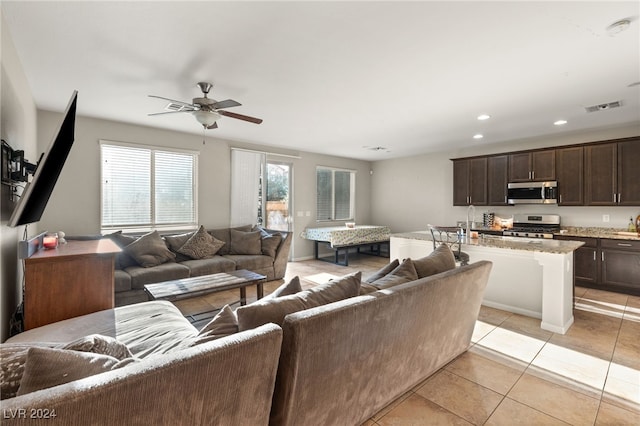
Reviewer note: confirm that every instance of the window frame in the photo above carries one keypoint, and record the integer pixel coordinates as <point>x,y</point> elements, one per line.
<point>153,225</point>
<point>352,194</point>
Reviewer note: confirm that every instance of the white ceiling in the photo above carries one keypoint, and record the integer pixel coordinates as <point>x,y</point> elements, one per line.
<point>335,77</point>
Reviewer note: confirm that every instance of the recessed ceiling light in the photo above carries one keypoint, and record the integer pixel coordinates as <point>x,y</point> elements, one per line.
<point>560,122</point>
<point>478,136</point>
<point>618,27</point>
<point>484,117</point>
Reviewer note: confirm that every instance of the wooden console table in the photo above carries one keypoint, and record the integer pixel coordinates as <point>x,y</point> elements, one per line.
<point>72,280</point>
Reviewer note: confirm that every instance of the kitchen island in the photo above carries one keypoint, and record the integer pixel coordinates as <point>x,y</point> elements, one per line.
<point>532,277</point>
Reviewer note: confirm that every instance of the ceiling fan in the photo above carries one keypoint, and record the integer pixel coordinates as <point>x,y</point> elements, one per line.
<point>207,111</point>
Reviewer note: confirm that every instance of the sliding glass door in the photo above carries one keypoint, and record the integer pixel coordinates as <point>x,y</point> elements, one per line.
<point>278,196</point>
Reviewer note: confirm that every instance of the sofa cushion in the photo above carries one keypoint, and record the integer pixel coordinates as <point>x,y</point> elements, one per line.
<point>404,273</point>
<point>274,310</point>
<point>383,271</point>
<point>12,359</point>
<point>250,262</point>
<point>291,287</point>
<point>245,242</point>
<point>440,260</point>
<point>48,367</point>
<point>214,265</point>
<point>366,288</point>
<point>150,250</point>
<point>165,272</point>
<point>121,281</point>
<point>270,244</point>
<point>201,245</point>
<point>224,234</point>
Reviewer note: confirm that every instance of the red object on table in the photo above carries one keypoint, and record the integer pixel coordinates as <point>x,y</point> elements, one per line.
<point>50,242</point>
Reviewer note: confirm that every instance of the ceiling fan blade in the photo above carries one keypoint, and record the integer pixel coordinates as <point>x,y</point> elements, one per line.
<point>172,100</point>
<point>226,104</point>
<point>170,112</point>
<point>241,117</point>
<point>213,126</point>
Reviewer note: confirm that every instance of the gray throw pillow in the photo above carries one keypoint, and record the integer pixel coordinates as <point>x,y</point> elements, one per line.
<point>150,250</point>
<point>384,271</point>
<point>404,273</point>
<point>225,323</point>
<point>270,244</point>
<point>177,241</point>
<point>12,359</point>
<point>48,367</point>
<point>292,287</point>
<point>274,310</point>
<point>99,344</point>
<point>123,260</point>
<point>245,242</point>
<point>440,260</point>
<point>201,245</point>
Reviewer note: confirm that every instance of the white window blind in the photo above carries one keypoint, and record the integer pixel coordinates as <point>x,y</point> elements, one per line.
<point>246,169</point>
<point>147,188</point>
<point>335,194</point>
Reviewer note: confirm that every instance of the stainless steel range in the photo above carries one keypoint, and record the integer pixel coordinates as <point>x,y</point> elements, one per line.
<point>534,225</point>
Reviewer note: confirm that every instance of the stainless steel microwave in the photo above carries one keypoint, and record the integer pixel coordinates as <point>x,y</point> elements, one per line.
<point>532,192</point>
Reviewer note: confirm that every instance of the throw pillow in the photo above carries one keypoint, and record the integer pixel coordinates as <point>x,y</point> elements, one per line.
<point>292,287</point>
<point>99,344</point>
<point>404,273</point>
<point>276,309</point>
<point>150,250</point>
<point>123,260</point>
<point>201,245</point>
<point>177,241</point>
<point>245,242</point>
<point>440,260</point>
<point>384,271</point>
<point>48,367</point>
<point>270,244</point>
<point>225,323</point>
<point>12,359</point>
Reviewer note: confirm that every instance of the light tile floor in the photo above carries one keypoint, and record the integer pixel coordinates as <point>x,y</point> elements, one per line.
<point>514,373</point>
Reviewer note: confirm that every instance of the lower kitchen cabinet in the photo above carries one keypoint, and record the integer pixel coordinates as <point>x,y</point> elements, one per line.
<point>607,264</point>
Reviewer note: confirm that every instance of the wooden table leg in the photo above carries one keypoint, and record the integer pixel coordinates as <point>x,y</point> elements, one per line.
<point>259,290</point>
<point>243,296</point>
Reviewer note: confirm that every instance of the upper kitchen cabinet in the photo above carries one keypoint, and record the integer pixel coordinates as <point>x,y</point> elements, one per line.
<point>532,166</point>
<point>570,174</point>
<point>497,180</point>
<point>612,174</point>
<point>470,182</point>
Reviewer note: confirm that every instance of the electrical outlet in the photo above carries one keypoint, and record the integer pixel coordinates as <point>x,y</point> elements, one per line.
<point>605,218</point>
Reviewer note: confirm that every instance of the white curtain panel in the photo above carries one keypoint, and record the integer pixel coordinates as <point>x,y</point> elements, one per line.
<point>245,185</point>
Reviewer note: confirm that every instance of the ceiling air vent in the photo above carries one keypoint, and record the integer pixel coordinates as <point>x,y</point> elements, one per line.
<point>603,107</point>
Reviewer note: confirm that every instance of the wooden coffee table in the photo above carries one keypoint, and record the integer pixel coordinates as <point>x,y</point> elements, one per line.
<point>205,284</point>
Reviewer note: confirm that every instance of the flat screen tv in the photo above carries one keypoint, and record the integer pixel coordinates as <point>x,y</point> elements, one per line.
<point>36,193</point>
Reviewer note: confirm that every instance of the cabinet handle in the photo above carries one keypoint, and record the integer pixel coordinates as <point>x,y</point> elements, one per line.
<point>533,174</point>
<point>594,255</point>
<point>614,197</point>
<point>624,245</point>
<point>619,198</point>
<point>602,256</point>
<point>560,198</point>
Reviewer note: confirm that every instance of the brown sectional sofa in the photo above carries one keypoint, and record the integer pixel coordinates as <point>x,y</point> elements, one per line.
<point>130,279</point>
<point>338,363</point>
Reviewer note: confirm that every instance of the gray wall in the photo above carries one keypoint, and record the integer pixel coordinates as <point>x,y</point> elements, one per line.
<point>74,206</point>
<point>410,193</point>
<point>18,128</point>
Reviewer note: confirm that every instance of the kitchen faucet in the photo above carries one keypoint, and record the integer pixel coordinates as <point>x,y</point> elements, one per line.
<point>471,208</point>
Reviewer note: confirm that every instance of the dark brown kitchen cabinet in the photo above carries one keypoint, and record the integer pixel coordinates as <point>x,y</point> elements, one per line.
<point>497,180</point>
<point>532,166</point>
<point>620,265</point>
<point>629,173</point>
<point>570,176</point>
<point>612,174</point>
<point>470,182</point>
<point>607,264</point>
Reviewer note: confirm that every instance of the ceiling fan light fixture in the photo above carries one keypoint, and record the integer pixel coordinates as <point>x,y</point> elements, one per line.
<point>206,118</point>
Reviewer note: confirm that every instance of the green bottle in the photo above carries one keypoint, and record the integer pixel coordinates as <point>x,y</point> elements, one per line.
<point>632,226</point>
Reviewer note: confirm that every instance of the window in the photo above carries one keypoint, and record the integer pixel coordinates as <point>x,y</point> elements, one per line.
<point>146,188</point>
<point>335,194</point>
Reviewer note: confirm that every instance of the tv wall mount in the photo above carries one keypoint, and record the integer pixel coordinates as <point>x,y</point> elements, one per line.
<point>15,168</point>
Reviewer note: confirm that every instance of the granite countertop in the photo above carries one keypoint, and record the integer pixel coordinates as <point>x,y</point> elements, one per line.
<point>511,243</point>
<point>593,232</point>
